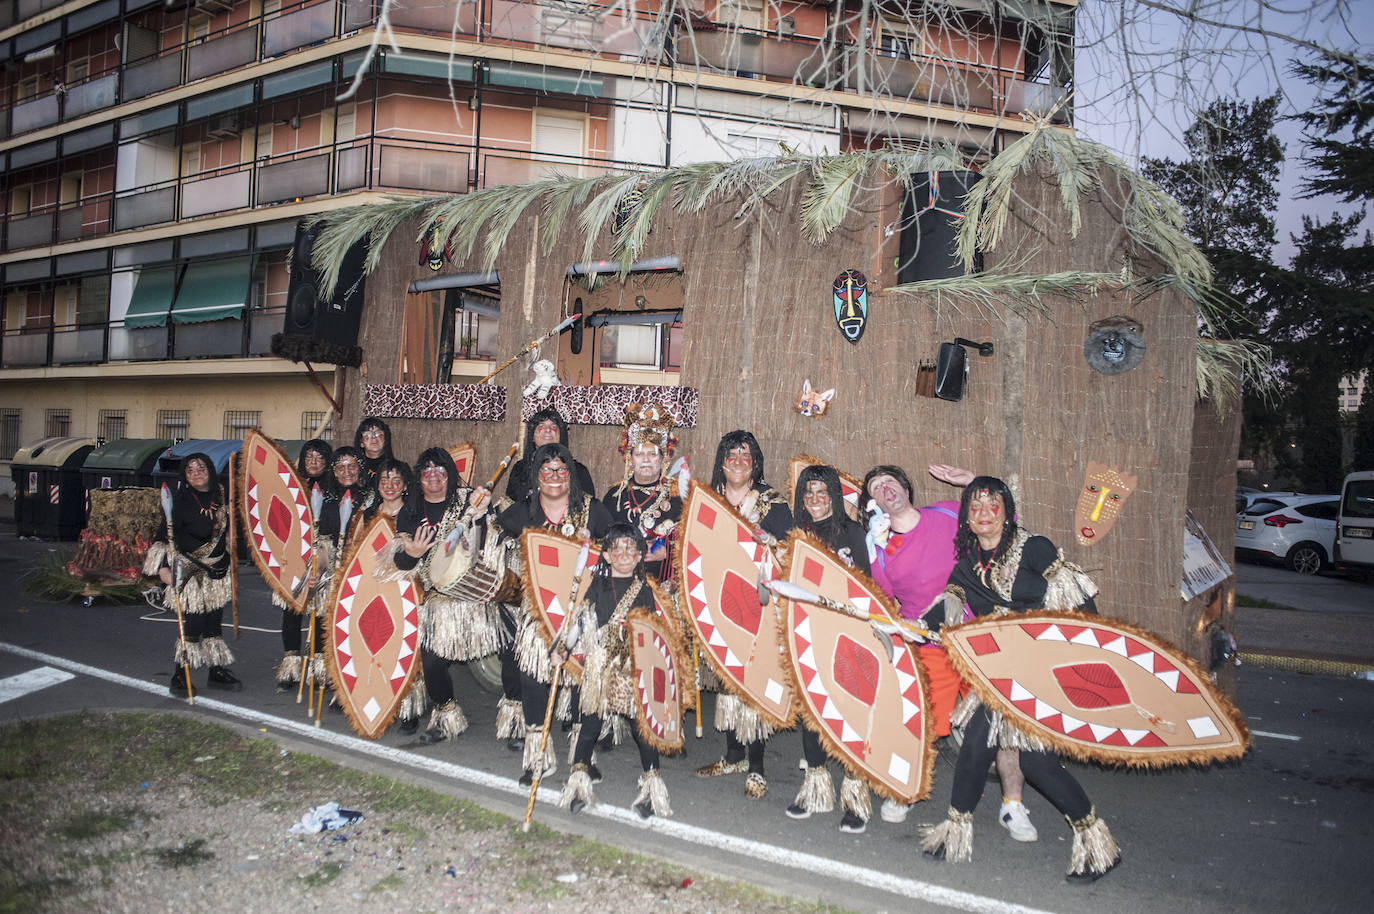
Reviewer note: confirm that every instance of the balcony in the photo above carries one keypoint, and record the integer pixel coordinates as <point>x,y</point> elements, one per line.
<point>921,79</point>
<point>761,54</point>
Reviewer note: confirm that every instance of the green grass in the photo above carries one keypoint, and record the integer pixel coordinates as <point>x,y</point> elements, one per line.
<point>1258,602</point>
<point>85,824</point>
<point>324,874</point>
<point>390,883</point>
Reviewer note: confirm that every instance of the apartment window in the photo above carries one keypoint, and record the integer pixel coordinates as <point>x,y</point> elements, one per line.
<point>263,149</point>
<point>69,190</point>
<point>9,433</point>
<point>78,70</point>
<point>346,122</point>
<point>270,7</point>
<point>28,88</point>
<point>21,200</point>
<point>57,423</point>
<point>897,40</point>
<point>112,423</point>
<point>37,311</point>
<point>744,14</point>
<point>174,424</point>
<point>198,28</point>
<point>238,422</point>
<point>190,159</point>
<point>317,423</point>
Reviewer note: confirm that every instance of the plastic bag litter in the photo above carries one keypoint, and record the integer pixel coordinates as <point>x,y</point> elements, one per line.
<point>322,818</point>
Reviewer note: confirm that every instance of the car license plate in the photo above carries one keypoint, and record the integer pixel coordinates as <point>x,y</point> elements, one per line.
<point>1246,525</point>
<point>1359,532</point>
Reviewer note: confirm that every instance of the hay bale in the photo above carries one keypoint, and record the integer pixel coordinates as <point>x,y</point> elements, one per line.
<point>130,514</point>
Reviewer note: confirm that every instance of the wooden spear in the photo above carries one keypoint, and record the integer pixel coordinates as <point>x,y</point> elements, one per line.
<point>233,546</point>
<point>530,347</point>
<point>176,592</point>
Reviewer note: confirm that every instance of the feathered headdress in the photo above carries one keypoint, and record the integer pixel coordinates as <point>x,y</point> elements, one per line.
<point>647,423</point>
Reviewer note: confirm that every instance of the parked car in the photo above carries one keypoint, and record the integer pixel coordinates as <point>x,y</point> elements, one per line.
<point>1355,540</point>
<point>1246,496</point>
<point>1299,530</point>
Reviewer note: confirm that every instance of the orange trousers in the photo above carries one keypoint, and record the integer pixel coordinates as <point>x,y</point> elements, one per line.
<point>945,685</point>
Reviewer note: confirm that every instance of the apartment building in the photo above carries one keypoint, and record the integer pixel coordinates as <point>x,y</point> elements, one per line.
<point>157,154</point>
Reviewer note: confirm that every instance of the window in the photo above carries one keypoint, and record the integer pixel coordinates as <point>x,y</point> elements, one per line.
<point>1322,510</point>
<point>346,123</point>
<point>28,88</point>
<point>560,135</point>
<point>37,311</point>
<point>93,305</point>
<point>9,433</point>
<point>270,8</point>
<point>69,192</point>
<point>263,149</point>
<point>898,40</point>
<point>112,423</point>
<point>190,159</point>
<point>174,424</point>
<point>78,70</point>
<point>650,347</point>
<point>444,326</point>
<point>198,28</point>
<point>21,200</point>
<point>238,422</point>
<point>57,423</point>
<point>317,423</point>
<point>744,14</point>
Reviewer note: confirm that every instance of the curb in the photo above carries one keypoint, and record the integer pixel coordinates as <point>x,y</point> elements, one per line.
<point>1287,664</point>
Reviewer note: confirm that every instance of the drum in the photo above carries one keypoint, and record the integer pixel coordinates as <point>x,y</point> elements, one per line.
<point>447,567</point>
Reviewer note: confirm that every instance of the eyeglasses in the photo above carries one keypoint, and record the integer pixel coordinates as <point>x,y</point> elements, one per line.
<point>433,471</point>
<point>551,471</point>
<point>374,433</point>
<point>816,496</point>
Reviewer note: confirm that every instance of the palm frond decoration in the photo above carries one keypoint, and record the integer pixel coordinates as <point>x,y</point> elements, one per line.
<point>996,293</point>
<point>1223,366</point>
<point>52,582</point>
<point>636,233</point>
<point>343,228</point>
<point>826,201</point>
<point>561,201</point>
<point>597,214</point>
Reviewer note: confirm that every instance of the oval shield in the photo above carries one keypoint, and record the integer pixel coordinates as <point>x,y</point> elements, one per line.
<point>661,678</point>
<point>275,508</point>
<point>370,641</point>
<point>550,560</point>
<point>851,487</point>
<point>853,687</point>
<point>1097,689</point>
<point>718,567</point>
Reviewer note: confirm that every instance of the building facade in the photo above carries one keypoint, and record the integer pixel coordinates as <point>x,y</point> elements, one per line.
<point>157,156</point>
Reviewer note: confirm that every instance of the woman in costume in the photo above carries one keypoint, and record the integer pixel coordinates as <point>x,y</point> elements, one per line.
<point>544,427</point>
<point>451,630</point>
<point>911,565</point>
<point>738,475</point>
<point>1003,568</point>
<point>193,563</point>
<point>815,505</point>
<point>643,497</point>
<point>312,465</point>
<point>619,585</point>
<point>394,482</point>
<point>557,503</point>
<point>373,439</point>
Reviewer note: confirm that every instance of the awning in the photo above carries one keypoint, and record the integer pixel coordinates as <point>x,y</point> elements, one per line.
<point>213,290</point>
<point>152,298</point>
<point>546,81</point>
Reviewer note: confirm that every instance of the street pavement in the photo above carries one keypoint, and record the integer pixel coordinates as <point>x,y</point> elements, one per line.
<point>1287,828</point>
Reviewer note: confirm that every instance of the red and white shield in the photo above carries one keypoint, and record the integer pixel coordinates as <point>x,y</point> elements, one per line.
<point>718,567</point>
<point>661,671</point>
<point>465,459</point>
<point>1097,689</point>
<point>275,507</point>
<point>370,641</point>
<point>866,698</point>
<point>550,560</point>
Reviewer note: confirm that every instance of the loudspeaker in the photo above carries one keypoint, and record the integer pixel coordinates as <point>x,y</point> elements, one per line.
<point>316,329</point>
<point>932,212</point>
<point>951,371</point>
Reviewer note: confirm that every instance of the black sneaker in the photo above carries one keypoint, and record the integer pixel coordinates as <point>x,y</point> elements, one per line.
<point>407,726</point>
<point>432,735</point>
<point>578,805</point>
<point>851,824</point>
<point>527,778</point>
<point>1091,876</point>
<point>797,811</point>
<point>221,678</point>
<point>594,773</point>
<point>177,686</point>
<point>516,744</point>
<point>645,809</point>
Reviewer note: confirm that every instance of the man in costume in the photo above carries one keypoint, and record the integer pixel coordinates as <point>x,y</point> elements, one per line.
<point>643,497</point>
<point>451,630</point>
<point>598,632</point>
<point>373,439</point>
<point>1002,568</point>
<point>313,466</point>
<point>193,564</point>
<point>916,555</point>
<point>545,427</point>
<point>737,474</point>
<point>557,503</point>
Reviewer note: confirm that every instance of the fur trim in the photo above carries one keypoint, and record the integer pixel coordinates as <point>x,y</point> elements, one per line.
<point>856,798</point>
<point>415,701</point>
<point>216,652</point>
<point>532,737</point>
<point>156,557</point>
<point>278,602</point>
<point>733,714</point>
<point>653,789</point>
<point>289,669</point>
<point>318,672</point>
<point>817,793</point>
<point>562,708</point>
<point>385,570</point>
<point>1094,848</point>
<point>308,349</point>
<point>532,651</point>
<point>1000,732</point>
<point>620,729</point>
<point>449,719</point>
<point>579,787</point>
<point>189,653</point>
<point>952,838</point>
<point>573,734</point>
<point>510,719</point>
<point>456,630</point>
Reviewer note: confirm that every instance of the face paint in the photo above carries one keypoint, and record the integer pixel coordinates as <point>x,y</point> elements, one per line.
<point>1105,490</point>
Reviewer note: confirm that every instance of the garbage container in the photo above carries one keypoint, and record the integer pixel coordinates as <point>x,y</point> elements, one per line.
<point>123,462</point>
<point>49,499</point>
<point>168,467</point>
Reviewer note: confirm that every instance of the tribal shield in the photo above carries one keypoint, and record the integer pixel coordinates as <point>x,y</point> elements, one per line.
<point>662,677</point>
<point>851,487</point>
<point>863,693</point>
<point>370,641</point>
<point>464,457</point>
<point>1097,689</point>
<point>550,560</point>
<point>275,508</point>
<point>718,566</point>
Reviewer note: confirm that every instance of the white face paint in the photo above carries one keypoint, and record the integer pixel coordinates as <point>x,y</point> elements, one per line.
<point>647,462</point>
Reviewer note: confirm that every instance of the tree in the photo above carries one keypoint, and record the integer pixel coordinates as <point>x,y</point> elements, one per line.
<point>1344,167</point>
<point>1364,429</point>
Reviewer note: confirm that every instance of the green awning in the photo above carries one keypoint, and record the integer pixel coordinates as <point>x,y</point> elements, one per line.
<point>546,81</point>
<point>213,290</point>
<point>152,298</point>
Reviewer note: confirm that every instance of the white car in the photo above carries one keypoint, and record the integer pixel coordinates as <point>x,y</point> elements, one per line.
<point>1299,530</point>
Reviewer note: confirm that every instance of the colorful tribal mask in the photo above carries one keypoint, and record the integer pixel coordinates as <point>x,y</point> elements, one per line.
<point>1104,491</point>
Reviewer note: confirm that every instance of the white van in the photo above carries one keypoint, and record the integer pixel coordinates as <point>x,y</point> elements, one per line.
<point>1355,523</point>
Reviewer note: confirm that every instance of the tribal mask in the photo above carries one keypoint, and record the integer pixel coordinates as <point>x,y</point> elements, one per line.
<point>1105,490</point>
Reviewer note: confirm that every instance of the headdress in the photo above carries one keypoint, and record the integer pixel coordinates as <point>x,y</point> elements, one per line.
<point>647,423</point>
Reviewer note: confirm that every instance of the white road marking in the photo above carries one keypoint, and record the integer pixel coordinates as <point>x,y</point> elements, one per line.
<point>704,838</point>
<point>18,686</point>
<point>1288,736</point>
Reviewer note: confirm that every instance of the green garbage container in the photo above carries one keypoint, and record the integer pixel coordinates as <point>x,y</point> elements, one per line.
<point>49,500</point>
<point>123,462</point>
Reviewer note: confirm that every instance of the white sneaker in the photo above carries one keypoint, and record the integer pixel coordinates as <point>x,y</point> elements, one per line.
<point>1015,818</point>
<point>894,812</point>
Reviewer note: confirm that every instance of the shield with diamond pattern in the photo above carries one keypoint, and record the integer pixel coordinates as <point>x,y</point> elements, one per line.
<point>662,675</point>
<point>370,640</point>
<point>275,508</point>
<point>1097,689</point>
<point>862,694</point>
<point>718,567</point>
<point>550,560</point>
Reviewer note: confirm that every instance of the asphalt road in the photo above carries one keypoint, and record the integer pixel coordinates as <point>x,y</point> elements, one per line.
<point>1288,828</point>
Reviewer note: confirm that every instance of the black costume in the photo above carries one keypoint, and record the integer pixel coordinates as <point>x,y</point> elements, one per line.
<point>655,510</point>
<point>522,479</point>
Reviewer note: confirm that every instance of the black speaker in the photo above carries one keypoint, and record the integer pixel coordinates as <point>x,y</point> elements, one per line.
<point>932,212</point>
<point>317,329</point>
<point>951,371</point>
